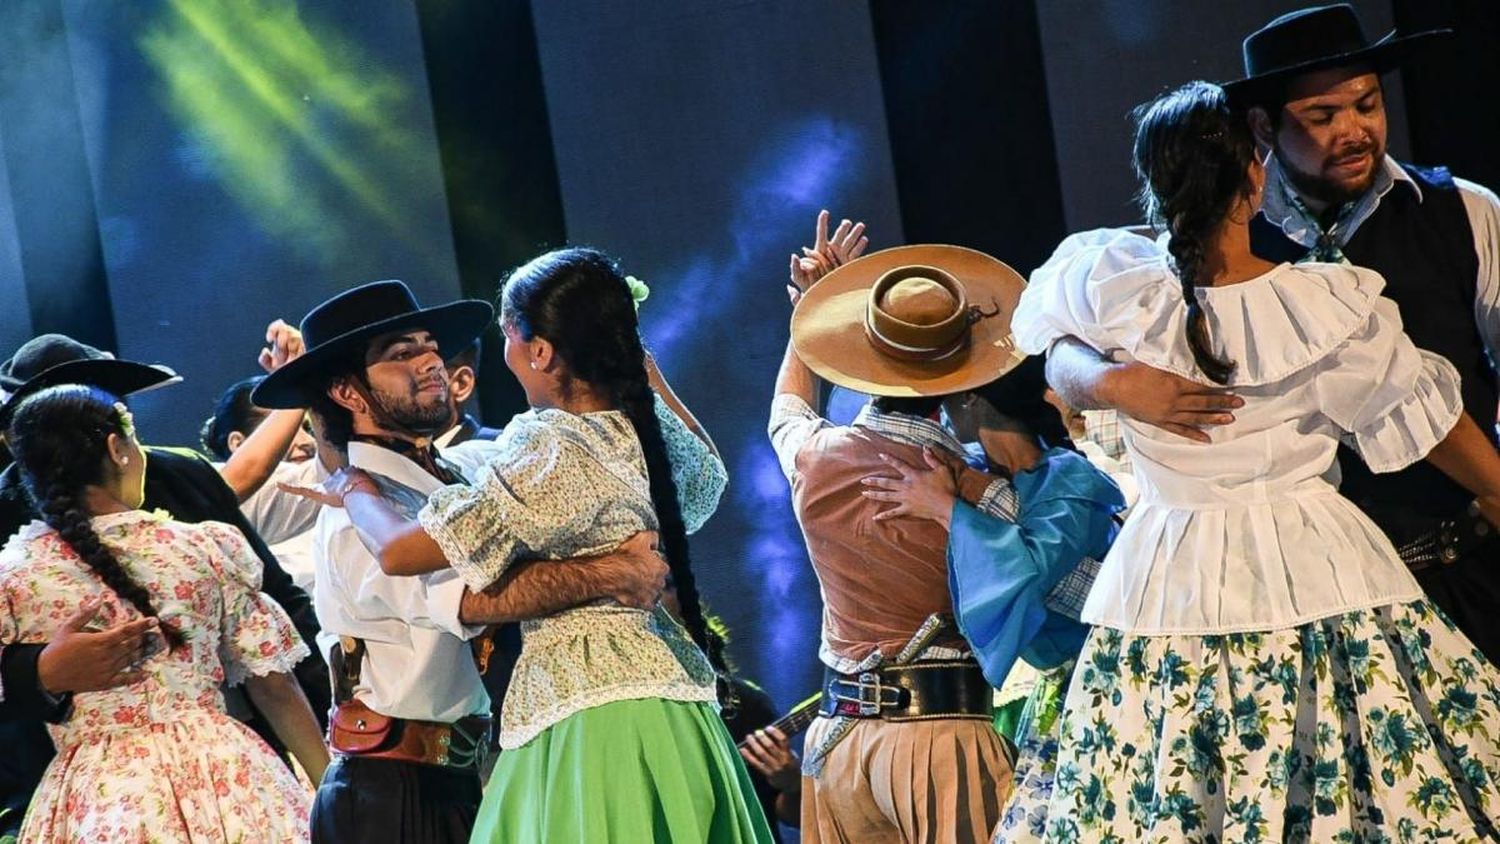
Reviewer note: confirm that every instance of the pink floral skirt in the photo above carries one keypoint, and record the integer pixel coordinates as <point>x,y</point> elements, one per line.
<point>202,778</point>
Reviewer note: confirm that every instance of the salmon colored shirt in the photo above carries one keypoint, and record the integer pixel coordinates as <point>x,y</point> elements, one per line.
<point>880,579</point>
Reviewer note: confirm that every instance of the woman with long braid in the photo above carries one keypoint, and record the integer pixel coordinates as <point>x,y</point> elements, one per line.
<point>609,729</point>
<point>1262,666</point>
<point>157,760</point>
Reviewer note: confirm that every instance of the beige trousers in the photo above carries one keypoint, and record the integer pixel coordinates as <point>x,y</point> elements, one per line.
<point>935,782</point>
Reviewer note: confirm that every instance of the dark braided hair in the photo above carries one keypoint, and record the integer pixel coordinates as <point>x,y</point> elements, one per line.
<point>578,300</point>
<point>60,440</point>
<point>1192,155</point>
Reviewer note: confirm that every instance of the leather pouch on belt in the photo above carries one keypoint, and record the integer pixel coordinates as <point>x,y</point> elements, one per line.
<point>356,728</point>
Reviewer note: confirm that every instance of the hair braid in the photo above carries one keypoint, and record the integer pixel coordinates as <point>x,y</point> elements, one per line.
<point>638,401</point>
<point>579,301</point>
<point>1187,251</point>
<point>59,438</point>
<point>1192,155</point>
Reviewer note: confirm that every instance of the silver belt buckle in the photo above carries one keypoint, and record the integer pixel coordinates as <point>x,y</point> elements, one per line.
<point>870,681</point>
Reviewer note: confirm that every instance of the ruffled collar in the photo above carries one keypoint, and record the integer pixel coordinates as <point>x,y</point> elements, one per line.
<point>1289,318</point>
<point>1271,326</point>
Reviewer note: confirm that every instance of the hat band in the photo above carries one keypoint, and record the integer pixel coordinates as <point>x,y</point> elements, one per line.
<point>920,354</point>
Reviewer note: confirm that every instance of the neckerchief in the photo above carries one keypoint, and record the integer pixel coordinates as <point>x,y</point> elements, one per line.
<point>1326,248</point>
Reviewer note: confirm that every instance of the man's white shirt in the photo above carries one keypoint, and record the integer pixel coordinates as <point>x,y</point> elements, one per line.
<point>418,661</point>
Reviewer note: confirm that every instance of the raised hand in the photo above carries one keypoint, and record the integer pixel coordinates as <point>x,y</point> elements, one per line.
<point>919,492</point>
<point>827,253</point>
<point>283,345</point>
<point>847,243</point>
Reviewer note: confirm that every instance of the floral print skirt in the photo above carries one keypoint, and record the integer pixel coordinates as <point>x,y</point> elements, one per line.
<point>1375,725</point>
<point>201,777</point>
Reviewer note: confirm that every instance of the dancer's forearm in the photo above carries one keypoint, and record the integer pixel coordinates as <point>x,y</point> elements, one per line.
<point>279,698</point>
<point>251,465</point>
<point>795,378</point>
<point>1466,456</point>
<point>633,575</point>
<point>400,545</point>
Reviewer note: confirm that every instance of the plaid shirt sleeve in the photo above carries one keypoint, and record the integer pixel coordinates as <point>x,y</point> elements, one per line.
<point>999,500</point>
<point>792,424</point>
<point>1070,593</point>
<point>1102,428</point>
<point>1067,597</point>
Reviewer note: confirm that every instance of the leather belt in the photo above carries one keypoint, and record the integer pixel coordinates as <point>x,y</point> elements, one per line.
<point>1451,540</point>
<point>356,730</point>
<point>359,731</point>
<point>912,692</point>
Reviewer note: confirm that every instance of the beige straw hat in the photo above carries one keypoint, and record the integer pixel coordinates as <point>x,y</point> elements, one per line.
<point>924,320</point>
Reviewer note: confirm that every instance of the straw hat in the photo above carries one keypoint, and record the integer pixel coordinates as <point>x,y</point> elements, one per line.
<point>924,320</point>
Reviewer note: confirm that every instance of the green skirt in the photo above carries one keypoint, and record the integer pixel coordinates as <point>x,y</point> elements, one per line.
<point>648,770</point>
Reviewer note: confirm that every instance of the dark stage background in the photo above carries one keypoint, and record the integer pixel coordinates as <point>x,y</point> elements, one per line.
<point>177,173</point>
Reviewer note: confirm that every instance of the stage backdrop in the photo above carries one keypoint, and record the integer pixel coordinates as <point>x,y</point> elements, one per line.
<point>177,173</point>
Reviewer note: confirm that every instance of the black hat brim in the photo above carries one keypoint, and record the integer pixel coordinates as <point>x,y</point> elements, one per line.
<point>1384,55</point>
<point>120,377</point>
<point>454,326</point>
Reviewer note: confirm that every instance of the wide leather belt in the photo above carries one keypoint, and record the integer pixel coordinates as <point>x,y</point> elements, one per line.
<point>1448,541</point>
<point>913,692</point>
<point>359,731</point>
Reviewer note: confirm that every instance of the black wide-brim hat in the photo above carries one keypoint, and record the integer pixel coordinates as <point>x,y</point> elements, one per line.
<point>1313,39</point>
<point>342,325</point>
<point>52,359</point>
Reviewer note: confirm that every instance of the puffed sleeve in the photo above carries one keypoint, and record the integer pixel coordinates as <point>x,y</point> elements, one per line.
<point>256,637</point>
<point>1395,400</point>
<point>1109,288</point>
<point>699,474</point>
<point>1001,571</point>
<point>537,497</point>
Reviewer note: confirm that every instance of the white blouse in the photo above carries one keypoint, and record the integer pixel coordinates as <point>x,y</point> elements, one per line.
<point>1248,532</point>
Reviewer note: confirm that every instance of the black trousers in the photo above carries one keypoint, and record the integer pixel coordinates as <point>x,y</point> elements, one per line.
<point>1468,590</point>
<point>362,800</point>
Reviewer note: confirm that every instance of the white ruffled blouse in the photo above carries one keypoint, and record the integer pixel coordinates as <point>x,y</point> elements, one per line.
<point>1249,532</point>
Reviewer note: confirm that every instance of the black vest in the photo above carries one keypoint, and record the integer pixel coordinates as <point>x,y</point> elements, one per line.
<point>1425,250</point>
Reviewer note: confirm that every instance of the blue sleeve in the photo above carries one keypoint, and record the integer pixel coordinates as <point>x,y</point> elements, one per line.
<point>1000,572</point>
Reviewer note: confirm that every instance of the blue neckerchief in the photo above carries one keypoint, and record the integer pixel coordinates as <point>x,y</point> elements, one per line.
<point>1326,248</point>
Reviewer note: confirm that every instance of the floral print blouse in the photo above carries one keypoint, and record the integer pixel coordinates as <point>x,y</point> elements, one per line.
<point>564,485</point>
<point>202,577</point>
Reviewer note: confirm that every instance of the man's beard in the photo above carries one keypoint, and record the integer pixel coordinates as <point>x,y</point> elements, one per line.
<point>1317,187</point>
<point>406,413</point>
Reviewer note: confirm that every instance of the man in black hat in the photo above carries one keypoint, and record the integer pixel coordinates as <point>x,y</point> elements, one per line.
<point>1314,94</point>
<point>178,481</point>
<point>411,723</point>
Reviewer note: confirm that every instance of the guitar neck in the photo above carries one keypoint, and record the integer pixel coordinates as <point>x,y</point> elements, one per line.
<point>799,717</point>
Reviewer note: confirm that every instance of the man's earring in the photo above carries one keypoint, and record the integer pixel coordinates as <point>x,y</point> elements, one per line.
<point>533,365</point>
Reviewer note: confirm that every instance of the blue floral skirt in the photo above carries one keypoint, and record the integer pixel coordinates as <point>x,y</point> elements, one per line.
<point>1375,725</point>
